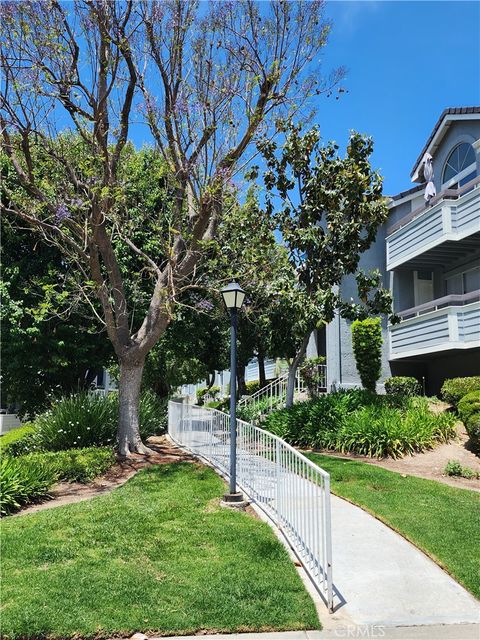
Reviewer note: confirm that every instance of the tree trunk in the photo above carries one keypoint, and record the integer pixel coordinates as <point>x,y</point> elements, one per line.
<point>242,388</point>
<point>129,440</point>
<point>292,371</point>
<point>262,380</point>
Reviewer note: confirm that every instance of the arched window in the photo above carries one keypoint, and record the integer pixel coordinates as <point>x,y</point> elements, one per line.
<point>460,166</point>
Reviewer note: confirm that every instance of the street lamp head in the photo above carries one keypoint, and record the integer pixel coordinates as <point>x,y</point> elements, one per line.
<point>233,295</point>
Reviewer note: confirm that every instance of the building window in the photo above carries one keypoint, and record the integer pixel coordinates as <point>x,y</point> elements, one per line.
<point>460,166</point>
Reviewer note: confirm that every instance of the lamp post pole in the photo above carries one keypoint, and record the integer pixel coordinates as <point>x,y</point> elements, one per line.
<point>233,400</point>
<point>233,297</point>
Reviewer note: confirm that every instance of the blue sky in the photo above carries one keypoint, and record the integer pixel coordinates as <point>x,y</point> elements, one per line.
<point>406,62</point>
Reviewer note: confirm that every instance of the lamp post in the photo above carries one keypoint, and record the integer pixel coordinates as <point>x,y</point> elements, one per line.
<point>233,297</point>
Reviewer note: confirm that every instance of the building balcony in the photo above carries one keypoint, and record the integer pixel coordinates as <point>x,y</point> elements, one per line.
<point>432,236</point>
<point>448,323</point>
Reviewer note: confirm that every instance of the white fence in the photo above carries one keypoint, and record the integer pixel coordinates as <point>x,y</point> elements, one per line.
<point>293,491</point>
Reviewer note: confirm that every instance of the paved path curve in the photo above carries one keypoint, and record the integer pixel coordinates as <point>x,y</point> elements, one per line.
<point>379,577</point>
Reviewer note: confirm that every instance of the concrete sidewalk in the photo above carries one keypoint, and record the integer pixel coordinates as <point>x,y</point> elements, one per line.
<point>379,577</point>
<point>434,632</point>
<point>386,580</point>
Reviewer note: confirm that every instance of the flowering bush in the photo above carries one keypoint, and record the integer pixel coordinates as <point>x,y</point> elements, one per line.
<point>87,420</point>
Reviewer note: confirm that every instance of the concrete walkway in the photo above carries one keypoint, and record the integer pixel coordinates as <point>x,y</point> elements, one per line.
<point>442,632</point>
<point>385,580</point>
<point>380,579</point>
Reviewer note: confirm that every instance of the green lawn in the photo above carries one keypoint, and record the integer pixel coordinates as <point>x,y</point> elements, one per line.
<point>441,520</point>
<point>156,555</point>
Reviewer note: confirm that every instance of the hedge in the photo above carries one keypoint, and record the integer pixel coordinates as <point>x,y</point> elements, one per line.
<point>469,412</point>
<point>403,385</point>
<point>367,348</point>
<point>453,389</point>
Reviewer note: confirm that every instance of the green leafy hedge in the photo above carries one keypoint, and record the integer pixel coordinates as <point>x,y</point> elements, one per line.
<point>19,440</point>
<point>28,478</point>
<point>453,389</point>
<point>469,412</point>
<point>361,422</point>
<point>367,348</point>
<point>211,391</point>
<point>403,385</point>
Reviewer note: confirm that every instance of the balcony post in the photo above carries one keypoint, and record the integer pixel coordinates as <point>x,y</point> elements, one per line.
<point>453,324</point>
<point>447,218</point>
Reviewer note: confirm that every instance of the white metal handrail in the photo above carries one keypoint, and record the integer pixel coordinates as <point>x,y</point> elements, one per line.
<point>274,393</point>
<point>293,491</point>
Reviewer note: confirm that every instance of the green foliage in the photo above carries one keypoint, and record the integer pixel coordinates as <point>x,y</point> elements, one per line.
<point>23,481</point>
<point>360,422</point>
<point>87,420</point>
<point>469,405</point>
<point>256,411</point>
<point>44,350</point>
<point>311,374</point>
<point>469,412</point>
<point>367,349</point>
<point>18,441</point>
<point>455,468</point>
<point>453,389</point>
<point>74,465</point>
<point>403,385</point>
<point>379,432</point>
<point>252,386</point>
<point>207,391</point>
<point>28,478</point>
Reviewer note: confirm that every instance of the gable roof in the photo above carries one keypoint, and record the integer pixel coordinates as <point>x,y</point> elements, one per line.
<point>448,115</point>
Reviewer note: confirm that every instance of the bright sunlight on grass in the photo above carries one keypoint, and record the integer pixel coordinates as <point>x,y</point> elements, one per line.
<point>441,520</point>
<point>157,554</point>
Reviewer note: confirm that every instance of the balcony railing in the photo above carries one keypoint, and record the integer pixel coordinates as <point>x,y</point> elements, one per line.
<point>451,322</point>
<point>452,215</point>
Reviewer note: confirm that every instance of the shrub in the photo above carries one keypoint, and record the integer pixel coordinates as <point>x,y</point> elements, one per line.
<point>312,423</point>
<point>403,386</point>
<point>359,421</point>
<point>381,431</point>
<point>23,481</point>
<point>469,405</point>
<point>28,478</point>
<point>86,420</point>
<point>252,386</point>
<point>453,389</point>
<point>454,468</point>
<point>311,375</point>
<point>19,441</point>
<point>211,391</point>
<point>75,465</point>
<point>469,412</point>
<point>255,411</point>
<point>367,349</point>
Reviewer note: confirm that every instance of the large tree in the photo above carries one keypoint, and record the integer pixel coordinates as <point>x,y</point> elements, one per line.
<point>327,210</point>
<point>202,78</point>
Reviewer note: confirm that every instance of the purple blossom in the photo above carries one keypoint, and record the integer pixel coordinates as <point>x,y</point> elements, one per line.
<point>204,305</point>
<point>62,213</point>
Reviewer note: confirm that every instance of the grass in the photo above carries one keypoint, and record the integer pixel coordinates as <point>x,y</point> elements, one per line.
<point>156,555</point>
<point>442,521</point>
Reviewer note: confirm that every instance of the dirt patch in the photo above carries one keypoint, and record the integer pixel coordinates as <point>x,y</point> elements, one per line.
<point>430,464</point>
<point>165,452</point>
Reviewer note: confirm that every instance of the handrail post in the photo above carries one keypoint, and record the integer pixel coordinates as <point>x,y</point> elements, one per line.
<point>278,464</point>
<point>328,543</point>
